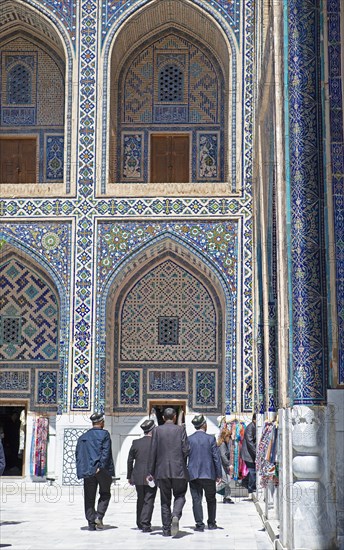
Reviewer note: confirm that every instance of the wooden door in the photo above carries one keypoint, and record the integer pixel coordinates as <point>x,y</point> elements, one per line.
<point>170,158</point>
<point>18,161</point>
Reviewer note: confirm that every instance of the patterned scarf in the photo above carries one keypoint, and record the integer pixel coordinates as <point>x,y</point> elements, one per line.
<point>39,447</point>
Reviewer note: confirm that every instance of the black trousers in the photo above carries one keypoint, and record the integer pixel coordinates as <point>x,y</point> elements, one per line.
<point>102,480</point>
<point>168,486</point>
<point>251,477</point>
<point>197,486</point>
<point>144,505</point>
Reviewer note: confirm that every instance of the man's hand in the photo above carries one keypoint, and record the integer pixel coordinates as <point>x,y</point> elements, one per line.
<point>130,482</point>
<point>218,479</point>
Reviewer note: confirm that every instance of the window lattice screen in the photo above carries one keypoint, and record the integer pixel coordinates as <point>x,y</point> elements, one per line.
<point>168,330</point>
<point>19,86</point>
<point>171,84</point>
<point>10,333</point>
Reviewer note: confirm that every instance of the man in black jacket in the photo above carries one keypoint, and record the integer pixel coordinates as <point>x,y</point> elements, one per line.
<point>94,464</point>
<point>137,469</point>
<point>248,454</point>
<point>167,465</point>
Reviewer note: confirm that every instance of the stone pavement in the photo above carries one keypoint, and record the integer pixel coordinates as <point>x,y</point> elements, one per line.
<point>37,516</point>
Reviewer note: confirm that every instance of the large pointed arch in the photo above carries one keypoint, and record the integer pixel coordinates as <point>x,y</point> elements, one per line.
<point>41,280</point>
<point>130,33</point>
<point>167,247</point>
<point>33,37</point>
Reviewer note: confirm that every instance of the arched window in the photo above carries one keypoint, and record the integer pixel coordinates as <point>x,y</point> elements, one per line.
<point>19,85</point>
<point>171,83</point>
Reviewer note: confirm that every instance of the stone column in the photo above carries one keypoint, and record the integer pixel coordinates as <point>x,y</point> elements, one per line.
<point>313,520</point>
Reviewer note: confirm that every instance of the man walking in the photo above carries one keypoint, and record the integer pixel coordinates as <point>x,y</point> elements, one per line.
<point>167,464</point>
<point>248,454</point>
<point>204,467</point>
<point>137,469</point>
<point>94,464</point>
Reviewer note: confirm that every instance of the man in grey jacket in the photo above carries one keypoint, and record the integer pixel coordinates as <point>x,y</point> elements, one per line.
<point>204,467</point>
<point>167,465</point>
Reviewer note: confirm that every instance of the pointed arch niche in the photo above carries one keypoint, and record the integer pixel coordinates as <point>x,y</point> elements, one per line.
<point>172,101</point>
<point>166,331</point>
<point>30,355</point>
<point>35,110</point>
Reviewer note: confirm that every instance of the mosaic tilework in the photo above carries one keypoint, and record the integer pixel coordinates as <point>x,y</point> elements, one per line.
<point>208,155</point>
<point>132,147</point>
<point>119,243</point>
<point>49,244</point>
<point>129,387</point>
<point>46,387</point>
<point>167,381</point>
<point>307,272</point>
<point>14,381</point>
<point>63,12</point>
<point>221,13</point>
<point>200,102</point>
<point>335,54</point>
<point>27,296</point>
<point>205,389</point>
<point>54,157</point>
<point>168,290</point>
<point>86,207</point>
<point>113,9</point>
<point>70,438</point>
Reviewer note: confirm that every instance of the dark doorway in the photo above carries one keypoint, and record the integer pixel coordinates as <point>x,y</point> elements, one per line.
<point>169,158</point>
<point>157,408</point>
<point>12,433</point>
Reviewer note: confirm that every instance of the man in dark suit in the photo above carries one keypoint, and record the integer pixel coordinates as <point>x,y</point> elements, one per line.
<point>167,465</point>
<point>204,467</point>
<point>136,475</point>
<point>248,454</point>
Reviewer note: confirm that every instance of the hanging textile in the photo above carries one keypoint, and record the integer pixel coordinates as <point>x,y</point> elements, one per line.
<point>237,429</point>
<point>266,459</point>
<point>39,447</point>
<point>22,428</point>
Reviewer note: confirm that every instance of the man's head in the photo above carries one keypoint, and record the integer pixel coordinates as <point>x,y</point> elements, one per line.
<point>169,413</point>
<point>97,419</point>
<point>147,426</point>
<point>254,417</point>
<point>199,421</point>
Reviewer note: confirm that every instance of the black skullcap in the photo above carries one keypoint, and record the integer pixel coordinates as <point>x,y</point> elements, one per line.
<point>96,417</point>
<point>147,426</point>
<point>198,421</point>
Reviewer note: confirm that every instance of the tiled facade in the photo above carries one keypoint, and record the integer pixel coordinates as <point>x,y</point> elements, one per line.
<point>139,291</point>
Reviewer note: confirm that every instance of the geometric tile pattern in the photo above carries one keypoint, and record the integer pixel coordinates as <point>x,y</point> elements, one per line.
<point>70,438</point>
<point>85,206</point>
<point>168,290</point>
<point>112,9</point>
<point>205,389</point>
<point>306,217</point>
<point>130,387</point>
<point>167,380</point>
<point>28,297</point>
<point>217,242</point>
<point>47,387</point>
<point>193,98</point>
<point>335,76</point>
<point>14,380</point>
